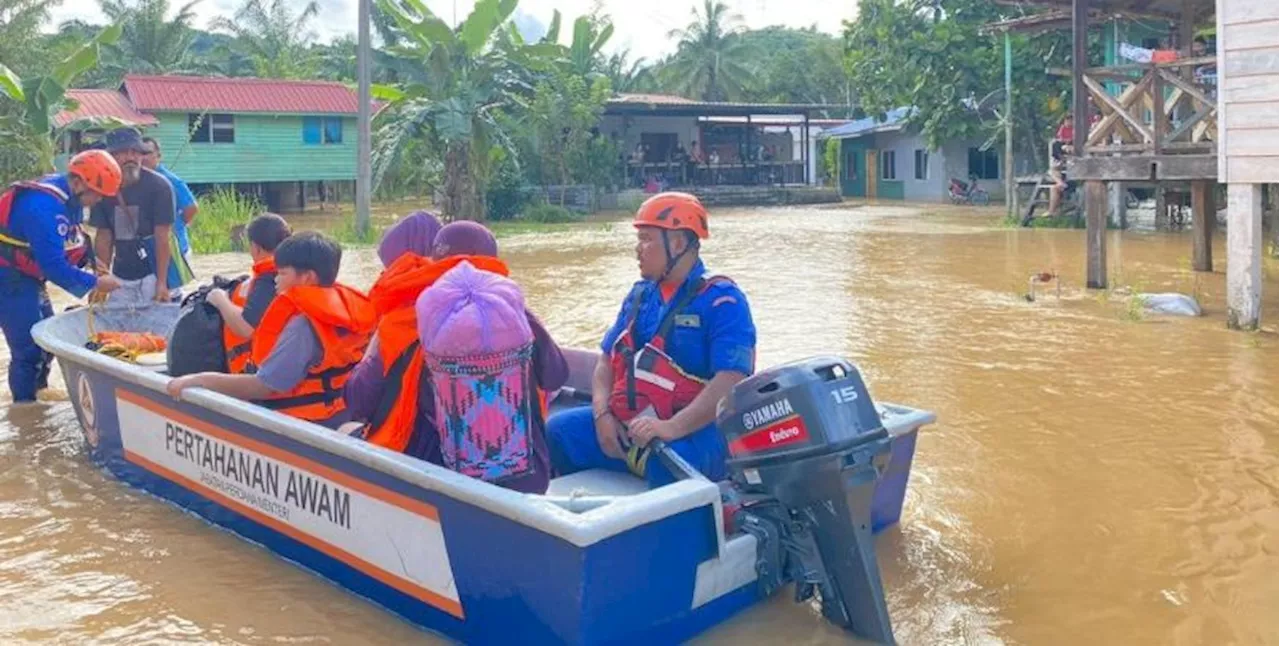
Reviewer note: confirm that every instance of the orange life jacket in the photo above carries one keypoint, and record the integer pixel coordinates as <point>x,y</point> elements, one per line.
<point>394,295</point>
<point>343,320</point>
<point>238,347</point>
<point>16,252</point>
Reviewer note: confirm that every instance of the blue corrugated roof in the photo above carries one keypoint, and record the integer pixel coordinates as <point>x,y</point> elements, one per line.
<point>892,121</point>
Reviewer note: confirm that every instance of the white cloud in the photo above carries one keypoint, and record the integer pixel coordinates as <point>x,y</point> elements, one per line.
<point>639,26</point>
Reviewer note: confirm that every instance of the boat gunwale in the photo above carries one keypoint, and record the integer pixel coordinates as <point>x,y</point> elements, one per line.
<point>532,510</point>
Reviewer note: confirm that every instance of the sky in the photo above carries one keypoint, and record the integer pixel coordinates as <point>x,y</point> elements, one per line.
<point>640,26</point>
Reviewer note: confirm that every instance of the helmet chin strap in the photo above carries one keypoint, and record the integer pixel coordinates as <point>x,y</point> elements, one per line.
<point>671,260</point>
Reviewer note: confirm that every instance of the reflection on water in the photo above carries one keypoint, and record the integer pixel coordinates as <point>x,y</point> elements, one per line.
<point>1090,474</point>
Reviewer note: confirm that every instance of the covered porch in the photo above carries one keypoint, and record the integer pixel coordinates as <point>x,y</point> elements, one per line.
<point>672,142</point>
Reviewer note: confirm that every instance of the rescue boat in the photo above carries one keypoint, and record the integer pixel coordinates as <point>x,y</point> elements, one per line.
<point>598,559</point>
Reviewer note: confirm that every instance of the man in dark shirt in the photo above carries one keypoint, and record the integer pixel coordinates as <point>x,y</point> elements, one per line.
<point>134,226</point>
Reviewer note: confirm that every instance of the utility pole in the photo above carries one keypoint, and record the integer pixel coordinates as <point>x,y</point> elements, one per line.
<point>1010,186</point>
<point>364,148</point>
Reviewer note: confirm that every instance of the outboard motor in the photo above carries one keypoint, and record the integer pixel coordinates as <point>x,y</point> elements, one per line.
<point>806,446</point>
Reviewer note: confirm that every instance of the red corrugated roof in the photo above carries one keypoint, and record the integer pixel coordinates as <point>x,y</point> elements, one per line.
<point>102,103</point>
<point>194,93</point>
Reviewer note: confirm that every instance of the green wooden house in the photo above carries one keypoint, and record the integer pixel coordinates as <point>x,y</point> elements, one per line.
<point>289,142</point>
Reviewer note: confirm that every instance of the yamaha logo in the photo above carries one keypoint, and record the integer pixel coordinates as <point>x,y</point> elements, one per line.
<point>88,410</point>
<point>767,414</point>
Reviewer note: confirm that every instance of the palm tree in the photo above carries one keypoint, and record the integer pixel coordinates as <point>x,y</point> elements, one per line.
<point>150,42</point>
<point>21,44</point>
<point>707,60</point>
<point>455,95</point>
<point>275,39</point>
<point>627,75</point>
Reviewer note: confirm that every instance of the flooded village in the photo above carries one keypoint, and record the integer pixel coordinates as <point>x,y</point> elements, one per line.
<point>1043,235</point>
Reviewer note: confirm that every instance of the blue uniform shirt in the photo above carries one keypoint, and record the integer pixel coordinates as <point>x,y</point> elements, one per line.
<point>47,225</point>
<point>183,198</point>
<point>714,333</point>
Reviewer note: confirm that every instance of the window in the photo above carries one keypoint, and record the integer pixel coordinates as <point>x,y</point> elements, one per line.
<point>317,130</point>
<point>888,167</point>
<point>211,128</point>
<point>984,164</point>
<point>922,164</point>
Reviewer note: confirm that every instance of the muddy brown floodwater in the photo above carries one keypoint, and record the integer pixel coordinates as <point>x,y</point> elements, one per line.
<point>1094,476</point>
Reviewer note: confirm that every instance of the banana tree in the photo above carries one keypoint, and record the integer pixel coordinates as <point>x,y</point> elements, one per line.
<point>44,96</point>
<point>27,129</point>
<point>457,96</point>
<point>11,84</point>
<point>590,34</point>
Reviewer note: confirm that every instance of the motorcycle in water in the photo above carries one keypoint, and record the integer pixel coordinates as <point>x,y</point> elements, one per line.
<point>968,192</point>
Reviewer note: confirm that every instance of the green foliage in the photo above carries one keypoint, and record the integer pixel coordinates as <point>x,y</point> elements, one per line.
<point>347,233</point>
<point>23,51</point>
<point>458,93</point>
<point>151,43</point>
<point>929,54</point>
<point>11,84</point>
<point>506,195</point>
<point>794,66</point>
<point>831,160</point>
<point>222,213</point>
<point>708,60</point>
<point>26,144</point>
<point>564,110</point>
<point>274,39</point>
<point>550,214</point>
<point>774,64</point>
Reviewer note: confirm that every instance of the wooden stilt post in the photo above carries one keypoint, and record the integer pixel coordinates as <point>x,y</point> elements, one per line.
<point>1162,208</point>
<point>1096,233</point>
<point>1244,255</point>
<point>1119,206</point>
<point>1203,218</point>
<point>1079,63</point>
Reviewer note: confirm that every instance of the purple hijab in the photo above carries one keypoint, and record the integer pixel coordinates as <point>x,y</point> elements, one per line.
<point>464,238</point>
<point>414,233</point>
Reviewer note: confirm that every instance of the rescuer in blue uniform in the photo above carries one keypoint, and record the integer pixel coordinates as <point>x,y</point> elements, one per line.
<point>681,341</point>
<point>41,239</point>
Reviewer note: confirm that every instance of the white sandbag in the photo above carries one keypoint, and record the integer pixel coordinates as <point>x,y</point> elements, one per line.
<point>1171,303</point>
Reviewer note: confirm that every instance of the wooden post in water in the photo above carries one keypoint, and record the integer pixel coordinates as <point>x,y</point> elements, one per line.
<point>1244,255</point>
<point>1203,219</point>
<point>1162,207</point>
<point>1095,209</point>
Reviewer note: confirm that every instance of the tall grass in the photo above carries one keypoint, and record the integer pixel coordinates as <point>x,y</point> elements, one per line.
<point>347,233</point>
<point>222,215</point>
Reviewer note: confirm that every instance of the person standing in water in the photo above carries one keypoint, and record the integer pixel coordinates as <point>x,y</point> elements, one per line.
<point>185,200</point>
<point>133,226</point>
<point>40,241</point>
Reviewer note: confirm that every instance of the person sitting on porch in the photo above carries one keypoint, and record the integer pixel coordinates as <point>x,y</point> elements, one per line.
<point>1206,75</point>
<point>1058,162</point>
<point>696,159</point>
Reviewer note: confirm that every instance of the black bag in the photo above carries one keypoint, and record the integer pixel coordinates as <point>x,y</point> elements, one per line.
<point>196,342</point>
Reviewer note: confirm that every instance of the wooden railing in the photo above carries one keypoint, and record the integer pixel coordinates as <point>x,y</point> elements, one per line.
<point>1183,109</point>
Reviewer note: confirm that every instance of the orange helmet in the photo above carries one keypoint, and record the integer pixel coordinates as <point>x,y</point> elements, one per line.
<point>674,211</point>
<point>98,169</point>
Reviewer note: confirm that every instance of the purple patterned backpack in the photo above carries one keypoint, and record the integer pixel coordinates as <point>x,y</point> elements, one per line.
<point>478,350</point>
